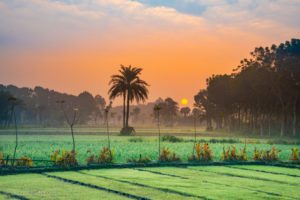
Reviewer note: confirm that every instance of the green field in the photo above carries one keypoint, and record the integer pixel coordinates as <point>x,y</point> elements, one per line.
<point>230,182</point>
<point>38,144</point>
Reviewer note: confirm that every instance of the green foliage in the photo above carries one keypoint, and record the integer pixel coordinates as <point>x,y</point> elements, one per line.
<point>141,160</point>
<point>40,147</point>
<point>135,140</point>
<point>105,157</point>
<point>266,155</point>
<point>171,138</point>
<point>295,154</point>
<point>167,155</point>
<point>24,161</point>
<point>64,158</point>
<point>202,153</point>
<point>231,154</point>
<point>230,141</point>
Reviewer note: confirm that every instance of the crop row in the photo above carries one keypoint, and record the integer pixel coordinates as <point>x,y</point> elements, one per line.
<point>201,153</point>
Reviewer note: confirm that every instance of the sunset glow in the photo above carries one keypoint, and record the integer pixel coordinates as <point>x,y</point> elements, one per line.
<point>184,102</point>
<point>72,46</point>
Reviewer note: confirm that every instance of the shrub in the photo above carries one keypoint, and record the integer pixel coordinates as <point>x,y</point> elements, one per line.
<point>231,141</point>
<point>127,131</point>
<point>168,156</point>
<point>142,160</point>
<point>202,153</point>
<point>24,162</point>
<point>295,154</point>
<point>135,140</point>
<point>171,138</point>
<point>105,157</point>
<point>91,159</point>
<point>266,155</point>
<point>64,158</point>
<point>231,154</point>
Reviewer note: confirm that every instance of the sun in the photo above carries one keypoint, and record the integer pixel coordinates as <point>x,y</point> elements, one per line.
<point>184,101</point>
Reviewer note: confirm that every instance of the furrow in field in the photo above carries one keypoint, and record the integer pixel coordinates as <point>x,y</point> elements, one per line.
<point>165,190</point>
<point>130,196</point>
<point>231,186</point>
<point>159,173</point>
<point>37,186</point>
<point>14,196</point>
<point>220,171</point>
<point>236,183</point>
<point>271,169</point>
<point>263,171</point>
<point>191,185</point>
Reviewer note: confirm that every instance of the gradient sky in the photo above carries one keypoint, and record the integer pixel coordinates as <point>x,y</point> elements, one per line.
<point>72,45</point>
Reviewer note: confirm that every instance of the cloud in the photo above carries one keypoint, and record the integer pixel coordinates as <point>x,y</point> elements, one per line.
<point>46,23</point>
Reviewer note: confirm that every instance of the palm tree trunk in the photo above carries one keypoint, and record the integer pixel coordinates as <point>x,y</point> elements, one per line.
<point>124,109</point>
<point>127,111</point>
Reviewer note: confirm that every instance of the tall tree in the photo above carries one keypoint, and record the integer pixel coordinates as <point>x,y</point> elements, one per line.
<point>185,111</point>
<point>129,85</point>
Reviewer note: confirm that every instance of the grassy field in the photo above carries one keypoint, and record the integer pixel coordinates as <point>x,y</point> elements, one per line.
<point>230,182</point>
<point>37,144</point>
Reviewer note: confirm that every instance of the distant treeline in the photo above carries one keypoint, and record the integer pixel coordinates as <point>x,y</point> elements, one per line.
<point>39,106</point>
<point>261,96</point>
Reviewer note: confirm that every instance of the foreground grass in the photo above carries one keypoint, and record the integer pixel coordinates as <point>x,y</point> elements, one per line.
<point>40,147</point>
<point>157,183</point>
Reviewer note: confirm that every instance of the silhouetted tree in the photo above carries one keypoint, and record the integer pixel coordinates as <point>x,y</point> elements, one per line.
<point>107,110</point>
<point>169,110</point>
<point>262,95</point>
<point>156,110</point>
<point>72,118</point>
<point>13,103</point>
<point>185,111</point>
<point>129,85</point>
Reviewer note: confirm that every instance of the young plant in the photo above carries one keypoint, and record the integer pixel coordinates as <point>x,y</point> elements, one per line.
<point>295,154</point>
<point>266,155</point>
<point>231,154</point>
<point>24,161</point>
<point>64,158</point>
<point>141,160</point>
<point>168,156</point>
<point>105,157</point>
<point>201,153</point>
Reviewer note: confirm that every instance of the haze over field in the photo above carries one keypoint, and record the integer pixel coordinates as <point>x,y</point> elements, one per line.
<point>73,46</point>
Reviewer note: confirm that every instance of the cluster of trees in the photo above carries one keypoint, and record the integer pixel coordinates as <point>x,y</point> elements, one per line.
<point>39,106</point>
<point>261,96</point>
<point>171,114</point>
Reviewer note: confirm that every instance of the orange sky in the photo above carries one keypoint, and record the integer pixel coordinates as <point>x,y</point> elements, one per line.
<point>177,56</point>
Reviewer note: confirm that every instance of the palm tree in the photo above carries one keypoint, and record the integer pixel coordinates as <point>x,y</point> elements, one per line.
<point>128,85</point>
